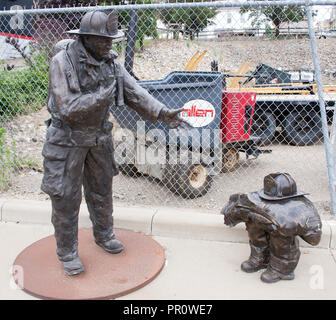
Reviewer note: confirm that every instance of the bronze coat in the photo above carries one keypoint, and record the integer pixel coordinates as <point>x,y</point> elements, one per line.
<point>272,227</point>
<point>79,113</point>
<point>287,218</point>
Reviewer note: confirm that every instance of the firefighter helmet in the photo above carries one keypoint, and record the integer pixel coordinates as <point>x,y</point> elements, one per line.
<point>98,23</point>
<point>279,186</point>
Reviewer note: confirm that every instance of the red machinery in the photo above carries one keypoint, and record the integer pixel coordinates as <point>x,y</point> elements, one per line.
<point>237,115</point>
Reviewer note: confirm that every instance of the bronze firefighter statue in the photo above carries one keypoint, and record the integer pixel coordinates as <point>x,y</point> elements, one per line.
<point>274,217</point>
<point>86,81</point>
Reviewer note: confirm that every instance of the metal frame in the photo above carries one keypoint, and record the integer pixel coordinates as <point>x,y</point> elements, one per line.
<point>216,4</point>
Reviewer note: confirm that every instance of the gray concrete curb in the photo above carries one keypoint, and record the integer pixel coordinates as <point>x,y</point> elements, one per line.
<point>160,221</point>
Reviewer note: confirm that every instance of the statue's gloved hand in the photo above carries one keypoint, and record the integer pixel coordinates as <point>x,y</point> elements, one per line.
<point>172,119</point>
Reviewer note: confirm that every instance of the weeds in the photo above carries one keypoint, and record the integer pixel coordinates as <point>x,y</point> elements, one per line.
<point>10,161</point>
<point>24,90</point>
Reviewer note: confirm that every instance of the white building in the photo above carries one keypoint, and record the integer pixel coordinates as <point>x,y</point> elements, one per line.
<point>325,19</point>
<point>229,21</point>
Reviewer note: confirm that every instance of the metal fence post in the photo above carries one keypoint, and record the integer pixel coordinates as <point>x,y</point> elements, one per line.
<point>327,144</point>
<point>131,41</point>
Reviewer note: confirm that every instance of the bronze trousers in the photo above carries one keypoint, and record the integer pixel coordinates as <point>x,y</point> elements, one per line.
<point>283,250</point>
<point>66,171</point>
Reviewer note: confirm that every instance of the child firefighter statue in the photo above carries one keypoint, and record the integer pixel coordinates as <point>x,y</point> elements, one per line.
<point>274,217</point>
<point>86,81</point>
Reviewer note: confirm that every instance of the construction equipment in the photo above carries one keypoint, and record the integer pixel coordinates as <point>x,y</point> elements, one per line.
<point>221,128</point>
<point>210,110</point>
<point>195,60</point>
<point>241,71</point>
<point>281,102</point>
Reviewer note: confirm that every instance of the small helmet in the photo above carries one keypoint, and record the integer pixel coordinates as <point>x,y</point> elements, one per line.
<point>279,186</point>
<point>98,23</point>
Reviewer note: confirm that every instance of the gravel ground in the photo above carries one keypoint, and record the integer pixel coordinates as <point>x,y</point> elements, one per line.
<point>162,57</point>
<point>306,164</point>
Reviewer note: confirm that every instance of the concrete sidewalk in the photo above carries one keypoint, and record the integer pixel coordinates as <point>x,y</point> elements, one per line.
<point>203,255</point>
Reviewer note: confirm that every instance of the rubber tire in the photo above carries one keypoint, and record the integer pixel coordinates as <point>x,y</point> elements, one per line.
<point>295,135</point>
<point>263,126</point>
<point>180,184</point>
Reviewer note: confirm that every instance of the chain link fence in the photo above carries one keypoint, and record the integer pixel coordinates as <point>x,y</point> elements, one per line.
<point>242,71</point>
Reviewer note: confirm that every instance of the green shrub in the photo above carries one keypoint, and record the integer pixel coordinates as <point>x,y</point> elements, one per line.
<point>24,90</point>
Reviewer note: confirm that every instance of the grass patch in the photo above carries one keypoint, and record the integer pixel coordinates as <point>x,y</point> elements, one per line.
<point>146,42</point>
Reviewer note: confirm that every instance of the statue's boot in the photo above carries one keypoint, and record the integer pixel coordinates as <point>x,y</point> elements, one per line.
<point>271,276</point>
<point>101,214</point>
<point>73,267</point>
<point>111,246</point>
<point>258,259</point>
<point>284,257</point>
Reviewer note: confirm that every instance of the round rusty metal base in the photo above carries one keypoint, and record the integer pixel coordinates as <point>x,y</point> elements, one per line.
<point>106,276</point>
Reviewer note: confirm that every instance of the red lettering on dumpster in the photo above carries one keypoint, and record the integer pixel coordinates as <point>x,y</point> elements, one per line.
<point>200,113</point>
